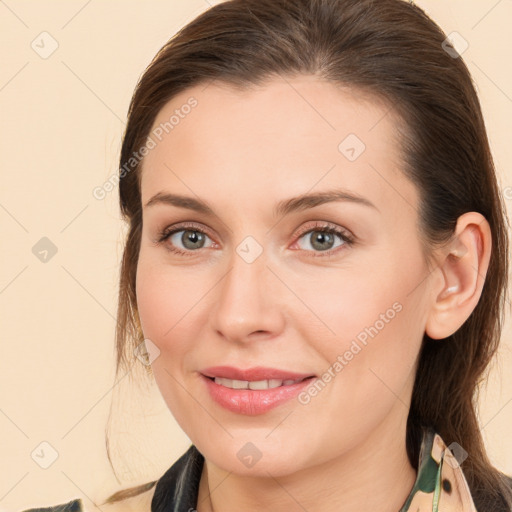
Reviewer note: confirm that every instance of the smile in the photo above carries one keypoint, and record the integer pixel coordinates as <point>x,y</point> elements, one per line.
<point>257,384</point>
<point>253,397</point>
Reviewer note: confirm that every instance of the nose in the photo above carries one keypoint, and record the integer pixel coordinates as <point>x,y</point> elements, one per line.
<point>249,303</point>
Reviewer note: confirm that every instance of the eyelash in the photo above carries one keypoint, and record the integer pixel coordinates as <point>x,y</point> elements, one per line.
<point>323,227</point>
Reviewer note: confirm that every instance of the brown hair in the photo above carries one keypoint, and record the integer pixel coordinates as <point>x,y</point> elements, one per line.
<point>392,50</point>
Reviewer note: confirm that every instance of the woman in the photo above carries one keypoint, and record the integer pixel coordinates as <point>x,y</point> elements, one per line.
<point>316,262</point>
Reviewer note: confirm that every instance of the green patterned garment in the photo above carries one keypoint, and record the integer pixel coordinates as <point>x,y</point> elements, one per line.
<point>440,484</point>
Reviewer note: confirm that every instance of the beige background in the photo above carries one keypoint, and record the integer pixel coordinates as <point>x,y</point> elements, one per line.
<point>62,120</point>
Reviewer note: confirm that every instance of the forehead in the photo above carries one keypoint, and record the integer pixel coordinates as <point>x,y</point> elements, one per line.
<point>289,135</point>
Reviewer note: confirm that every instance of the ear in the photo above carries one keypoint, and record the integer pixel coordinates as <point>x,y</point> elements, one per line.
<point>463,265</point>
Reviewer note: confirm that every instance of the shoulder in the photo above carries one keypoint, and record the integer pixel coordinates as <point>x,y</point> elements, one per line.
<point>134,499</point>
<point>71,506</point>
<point>176,488</point>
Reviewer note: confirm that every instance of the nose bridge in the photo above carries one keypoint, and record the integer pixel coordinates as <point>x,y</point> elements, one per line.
<point>248,301</point>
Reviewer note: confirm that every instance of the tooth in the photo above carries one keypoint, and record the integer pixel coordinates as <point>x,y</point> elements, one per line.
<point>258,384</point>
<point>222,381</point>
<point>240,384</point>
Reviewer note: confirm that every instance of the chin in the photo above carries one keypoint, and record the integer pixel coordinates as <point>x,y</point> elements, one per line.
<point>257,455</point>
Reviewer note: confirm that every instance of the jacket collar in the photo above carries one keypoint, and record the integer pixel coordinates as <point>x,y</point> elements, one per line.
<point>440,481</point>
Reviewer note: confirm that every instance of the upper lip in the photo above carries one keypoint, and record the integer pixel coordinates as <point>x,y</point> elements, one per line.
<point>253,374</point>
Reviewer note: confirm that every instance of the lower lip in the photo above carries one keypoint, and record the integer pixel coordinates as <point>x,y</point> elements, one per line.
<point>253,401</point>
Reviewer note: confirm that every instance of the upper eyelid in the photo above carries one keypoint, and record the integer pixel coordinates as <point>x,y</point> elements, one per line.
<point>184,227</point>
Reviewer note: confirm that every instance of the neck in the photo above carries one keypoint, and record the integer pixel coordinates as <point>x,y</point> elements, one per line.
<point>375,475</point>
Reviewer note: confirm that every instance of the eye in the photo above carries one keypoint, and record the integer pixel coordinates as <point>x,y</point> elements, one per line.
<point>319,239</point>
<point>184,239</point>
<point>322,239</point>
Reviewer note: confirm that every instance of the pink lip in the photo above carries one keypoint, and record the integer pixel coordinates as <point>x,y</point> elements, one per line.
<point>252,402</point>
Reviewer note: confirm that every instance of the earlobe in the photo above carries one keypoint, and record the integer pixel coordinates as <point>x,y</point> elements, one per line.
<point>463,265</point>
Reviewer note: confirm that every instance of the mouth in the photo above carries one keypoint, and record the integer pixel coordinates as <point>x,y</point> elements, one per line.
<point>253,391</point>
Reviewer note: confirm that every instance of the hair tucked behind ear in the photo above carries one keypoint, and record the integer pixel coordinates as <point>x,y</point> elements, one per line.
<point>392,50</point>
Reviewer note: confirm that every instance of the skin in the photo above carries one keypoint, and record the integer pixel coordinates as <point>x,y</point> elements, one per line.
<point>294,307</point>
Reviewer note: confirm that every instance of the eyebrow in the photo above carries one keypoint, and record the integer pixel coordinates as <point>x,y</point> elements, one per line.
<point>299,203</point>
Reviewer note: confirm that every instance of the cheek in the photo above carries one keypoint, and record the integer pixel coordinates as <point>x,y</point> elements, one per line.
<point>355,304</point>
<point>163,300</point>
<point>370,322</point>
<point>154,304</point>
<point>164,296</point>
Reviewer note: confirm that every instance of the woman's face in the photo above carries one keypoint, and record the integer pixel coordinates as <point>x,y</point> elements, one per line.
<point>258,282</point>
